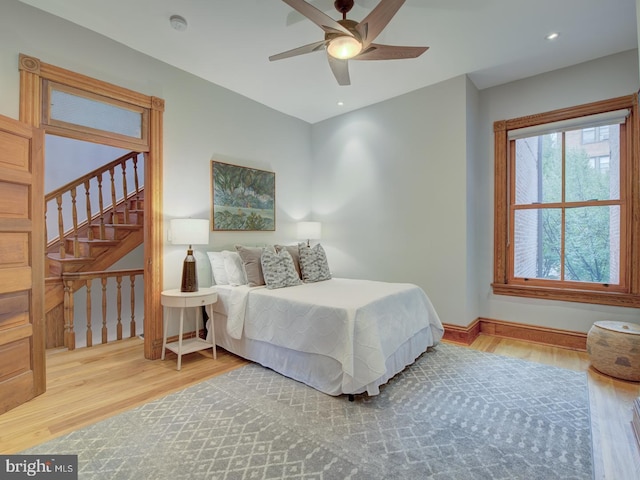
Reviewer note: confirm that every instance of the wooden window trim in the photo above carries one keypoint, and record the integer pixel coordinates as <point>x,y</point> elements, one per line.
<point>628,294</point>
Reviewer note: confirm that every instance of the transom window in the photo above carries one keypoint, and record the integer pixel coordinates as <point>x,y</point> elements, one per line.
<point>564,201</point>
<point>94,117</point>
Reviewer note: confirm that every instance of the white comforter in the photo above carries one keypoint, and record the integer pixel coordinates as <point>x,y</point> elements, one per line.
<point>359,323</point>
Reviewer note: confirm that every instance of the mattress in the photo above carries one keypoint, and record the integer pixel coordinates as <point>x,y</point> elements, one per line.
<point>339,336</point>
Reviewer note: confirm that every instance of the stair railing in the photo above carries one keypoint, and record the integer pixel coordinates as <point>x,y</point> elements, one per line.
<point>119,192</point>
<point>75,281</point>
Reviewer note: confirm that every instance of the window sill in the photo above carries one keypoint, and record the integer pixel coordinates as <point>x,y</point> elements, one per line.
<point>566,295</point>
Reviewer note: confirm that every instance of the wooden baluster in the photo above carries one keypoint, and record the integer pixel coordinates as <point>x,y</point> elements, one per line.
<point>125,192</point>
<point>119,306</point>
<point>74,213</point>
<point>101,204</point>
<point>87,187</point>
<point>114,218</point>
<point>136,181</point>
<point>89,331</point>
<point>46,230</point>
<point>62,248</point>
<point>69,333</point>
<point>104,310</point>
<point>132,324</point>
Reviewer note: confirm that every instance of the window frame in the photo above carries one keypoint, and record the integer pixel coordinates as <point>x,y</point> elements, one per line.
<point>627,293</point>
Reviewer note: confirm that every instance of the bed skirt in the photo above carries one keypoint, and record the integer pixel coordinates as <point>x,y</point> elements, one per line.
<point>318,371</point>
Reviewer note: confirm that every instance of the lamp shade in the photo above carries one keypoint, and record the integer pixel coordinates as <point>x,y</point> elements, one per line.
<point>189,231</point>
<point>309,230</point>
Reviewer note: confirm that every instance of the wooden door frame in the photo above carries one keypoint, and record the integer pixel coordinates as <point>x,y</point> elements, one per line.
<point>32,74</point>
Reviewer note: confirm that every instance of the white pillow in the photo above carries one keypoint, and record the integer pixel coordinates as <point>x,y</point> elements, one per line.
<point>234,268</point>
<point>217,268</point>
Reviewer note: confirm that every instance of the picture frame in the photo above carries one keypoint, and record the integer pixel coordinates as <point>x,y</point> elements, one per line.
<point>242,198</point>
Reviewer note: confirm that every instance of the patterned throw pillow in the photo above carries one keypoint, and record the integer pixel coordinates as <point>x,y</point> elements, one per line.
<point>293,251</point>
<point>278,269</point>
<point>313,263</point>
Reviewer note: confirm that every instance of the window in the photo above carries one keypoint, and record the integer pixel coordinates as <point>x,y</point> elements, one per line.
<point>595,134</point>
<point>600,163</point>
<point>565,193</point>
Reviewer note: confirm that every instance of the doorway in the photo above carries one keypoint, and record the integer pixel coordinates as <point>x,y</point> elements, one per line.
<point>39,83</point>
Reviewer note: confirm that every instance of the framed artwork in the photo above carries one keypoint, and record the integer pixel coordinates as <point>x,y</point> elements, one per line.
<point>242,198</point>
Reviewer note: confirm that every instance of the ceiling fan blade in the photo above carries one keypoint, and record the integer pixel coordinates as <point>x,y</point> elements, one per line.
<point>371,26</point>
<point>324,21</point>
<point>390,52</point>
<point>340,69</point>
<point>312,47</point>
<point>322,5</point>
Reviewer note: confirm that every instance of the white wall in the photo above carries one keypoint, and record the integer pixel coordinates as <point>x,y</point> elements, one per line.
<point>600,79</point>
<point>389,185</point>
<point>201,121</point>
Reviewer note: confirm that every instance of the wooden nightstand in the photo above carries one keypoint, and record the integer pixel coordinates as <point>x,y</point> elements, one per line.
<point>175,298</point>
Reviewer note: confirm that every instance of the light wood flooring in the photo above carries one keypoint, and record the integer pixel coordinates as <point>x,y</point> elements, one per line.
<point>89,385</point>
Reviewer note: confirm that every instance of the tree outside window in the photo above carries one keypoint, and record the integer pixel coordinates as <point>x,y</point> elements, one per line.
<point>566,229</point>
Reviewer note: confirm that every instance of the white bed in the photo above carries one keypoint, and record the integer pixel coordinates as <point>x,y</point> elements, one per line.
<point>340,336</point>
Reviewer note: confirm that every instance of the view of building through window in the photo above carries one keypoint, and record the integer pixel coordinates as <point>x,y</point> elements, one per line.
<point>567,206</point>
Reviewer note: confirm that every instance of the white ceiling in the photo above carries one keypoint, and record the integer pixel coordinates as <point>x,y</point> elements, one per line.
<point>228,42</point>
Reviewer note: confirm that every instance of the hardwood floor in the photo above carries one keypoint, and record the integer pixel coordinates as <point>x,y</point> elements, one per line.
<point>88,385</point>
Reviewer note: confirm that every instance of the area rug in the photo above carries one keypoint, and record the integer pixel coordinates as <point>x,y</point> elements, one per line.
<point>455,414</point>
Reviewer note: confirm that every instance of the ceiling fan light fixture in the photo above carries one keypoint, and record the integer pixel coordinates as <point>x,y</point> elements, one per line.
<point>344,47</point>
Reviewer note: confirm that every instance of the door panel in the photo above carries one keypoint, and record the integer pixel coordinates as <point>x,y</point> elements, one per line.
<point>22,365</point>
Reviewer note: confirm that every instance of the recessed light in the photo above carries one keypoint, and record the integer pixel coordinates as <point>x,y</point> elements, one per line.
<point>552,36</point>
<point>340,103</point>
<point>178,23</point>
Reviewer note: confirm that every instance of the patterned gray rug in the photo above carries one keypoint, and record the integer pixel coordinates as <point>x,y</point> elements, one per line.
<point>455,414</point>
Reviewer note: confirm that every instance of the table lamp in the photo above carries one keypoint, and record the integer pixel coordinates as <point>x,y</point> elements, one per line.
<point>310,231</point>
<point>189,231</point>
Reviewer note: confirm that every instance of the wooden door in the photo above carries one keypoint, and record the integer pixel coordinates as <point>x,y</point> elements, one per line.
<point>22,352</point>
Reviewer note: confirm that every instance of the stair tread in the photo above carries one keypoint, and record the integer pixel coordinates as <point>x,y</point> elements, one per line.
<point>68,258</point>
<point>98,241</point>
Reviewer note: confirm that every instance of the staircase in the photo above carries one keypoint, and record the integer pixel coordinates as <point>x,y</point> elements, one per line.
<point>112,226</point>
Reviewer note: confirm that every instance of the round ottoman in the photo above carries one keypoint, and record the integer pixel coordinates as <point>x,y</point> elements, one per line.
<point>614,349</point>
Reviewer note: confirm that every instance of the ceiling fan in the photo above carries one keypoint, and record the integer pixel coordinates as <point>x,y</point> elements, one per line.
<point>347,39</point>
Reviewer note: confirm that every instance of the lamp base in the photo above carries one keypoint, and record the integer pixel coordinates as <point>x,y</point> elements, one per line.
<point>189,273</point>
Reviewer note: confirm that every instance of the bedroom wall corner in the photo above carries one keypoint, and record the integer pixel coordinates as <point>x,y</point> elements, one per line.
<point>389,187</point>
<point>474,160</point>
